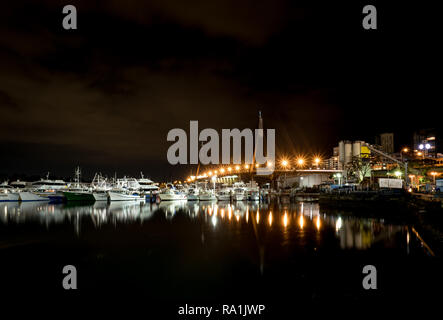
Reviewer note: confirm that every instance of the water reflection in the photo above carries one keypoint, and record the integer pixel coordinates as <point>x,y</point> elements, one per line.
<point>290,223</point>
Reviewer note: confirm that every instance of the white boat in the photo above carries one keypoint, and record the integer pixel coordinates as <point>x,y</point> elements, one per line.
<point>126,189</point>
<point>224,195</point>
<point>239,194</point>
<point>7,193</point>
<point>207,195</point>
<point>124,196</point>
<point>100,188</point>
<point>49,185</point>
<point>147,185</point>
<point>171,194</point>
<point>253,195</point>
<point>193,193</point>
<point>31,196</point>
<point>19,184</point>
<point>100,195</point>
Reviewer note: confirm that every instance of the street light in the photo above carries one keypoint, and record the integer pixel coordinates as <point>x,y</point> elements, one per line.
<point>338,175</point>
<point>317,161</point>
<point>404,150</point>
<point>433,173</point>
<point>284,163</point>
<point>300,161</point>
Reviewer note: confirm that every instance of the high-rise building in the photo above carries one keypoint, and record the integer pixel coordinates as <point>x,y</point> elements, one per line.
<point>425,140</point>
<point>387,142</point>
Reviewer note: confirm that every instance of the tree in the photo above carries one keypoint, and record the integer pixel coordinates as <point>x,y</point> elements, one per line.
<point>359,168</point>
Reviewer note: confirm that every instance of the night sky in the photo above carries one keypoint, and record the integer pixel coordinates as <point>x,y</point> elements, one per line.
<point>104,96</point>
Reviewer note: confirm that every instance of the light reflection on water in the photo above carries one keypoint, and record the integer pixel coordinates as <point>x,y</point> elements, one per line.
<point>294,222</point>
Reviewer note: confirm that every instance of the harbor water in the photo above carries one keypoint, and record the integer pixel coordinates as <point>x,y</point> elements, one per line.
<point>207,252</point>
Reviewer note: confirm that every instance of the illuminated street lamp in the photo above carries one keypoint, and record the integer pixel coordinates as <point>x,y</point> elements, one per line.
<point>338,175</point>
<point>397,173</point>
<point>404,150</point>
<point>237,168</point>
<point>433,173</point>
<point>317,161</point>
<point>246,166</point>
<point>300,162</point>
<point>284,163</point>
<point>229,169</point>
<point>222,170</point>
<point>269,164</point>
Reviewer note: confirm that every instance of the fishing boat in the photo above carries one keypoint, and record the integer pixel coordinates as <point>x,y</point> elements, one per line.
<point>126,189</point>
<point>80,194</point>
<point>78,191</point>
<point>100,188</point>
<point>171,194</point>
<point>125,195</point>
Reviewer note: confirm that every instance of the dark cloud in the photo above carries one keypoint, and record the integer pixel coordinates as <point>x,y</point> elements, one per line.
<point>104,96</point>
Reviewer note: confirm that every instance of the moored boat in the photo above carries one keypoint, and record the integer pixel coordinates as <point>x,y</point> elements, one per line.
<point>239,194</point>
<point>7,193</point>
<point>80,195</point>
<point>125,196</point>
<point>207,195</point>
<point>224,195</point>
<point>31,196</point>
<point>192,193</point>
<point>171,194</point>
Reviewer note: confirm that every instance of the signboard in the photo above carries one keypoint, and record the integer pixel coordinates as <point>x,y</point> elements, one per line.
<point>390,183</point>
<point>365,152</point>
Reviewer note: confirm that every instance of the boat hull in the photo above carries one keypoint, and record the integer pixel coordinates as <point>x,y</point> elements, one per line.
<point>226,197</point>
<point>78,196</point>
<point>192,197</point>
<point>207,198</point>
<point>171,197</point>
<point>9,197</point>
<point>116,196</point>
<point>30,196</point>
<point>100,196</point>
